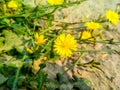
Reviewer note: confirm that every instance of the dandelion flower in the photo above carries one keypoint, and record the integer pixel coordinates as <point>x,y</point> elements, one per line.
<point>93,25</point>
<point>55,2</point>
<point>85,35</point>
<point>65,44</point>
<point>112,16</point>
<point>39,39</point>
<point>12,4</point>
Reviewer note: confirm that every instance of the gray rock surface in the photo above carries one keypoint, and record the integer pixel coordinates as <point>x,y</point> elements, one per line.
<point>89,9</point>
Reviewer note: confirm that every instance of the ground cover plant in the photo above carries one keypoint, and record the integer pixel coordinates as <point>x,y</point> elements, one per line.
<point>30,37</point>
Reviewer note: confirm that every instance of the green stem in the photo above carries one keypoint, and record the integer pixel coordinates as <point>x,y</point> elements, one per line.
<point>16,78</point>
<point>104,41</point>
<point>105,50</point>
<point>75,63</point>
<point>79,58</point>
<point>17,74</point>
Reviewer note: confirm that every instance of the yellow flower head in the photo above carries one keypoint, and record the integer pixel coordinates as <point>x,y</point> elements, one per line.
<point>93,25</point>
<point>85,35</point>
<point>65,44</point>
<point>13,4</point>
<point>39,39</point>
<point>55,2</point>
<point>112,16</point>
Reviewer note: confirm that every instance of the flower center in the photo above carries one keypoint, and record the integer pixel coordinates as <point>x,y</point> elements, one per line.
<point>65,46</point>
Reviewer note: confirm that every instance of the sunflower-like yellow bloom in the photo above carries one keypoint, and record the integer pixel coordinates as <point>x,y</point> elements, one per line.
<point>85,35</point>
<point>55,2</point>
<point>93,25</point>
<point>39,39</point>
<point>65,44</point>
<point>112,16</point>
<point>13,4</point>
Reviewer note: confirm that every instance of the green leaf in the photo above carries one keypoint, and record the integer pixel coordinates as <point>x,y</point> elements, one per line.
<point>22,29</point>
<point>20,49</point>
<point>2,79</point>
<point>10,81</point>
<point>61,79</point>
<point>82,84</point>
<point>67,86</point>
<point>52,84</point>
<point>11,40</point>
<point>41,79</point>
<point>15,63</point>
<point>42,65</point>
<point>1,42</point>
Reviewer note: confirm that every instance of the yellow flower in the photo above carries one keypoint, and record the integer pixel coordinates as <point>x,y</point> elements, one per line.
<point>112,16</point>
<point>12,4</point>
<point>65,44</point>
<point>93,25</point>
<point>85,35</point>
<point>39,39</point>
<point>55,2</point>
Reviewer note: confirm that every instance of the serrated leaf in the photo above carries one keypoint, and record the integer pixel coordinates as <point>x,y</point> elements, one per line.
<point>2,79</point>
<point>11,40</point>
